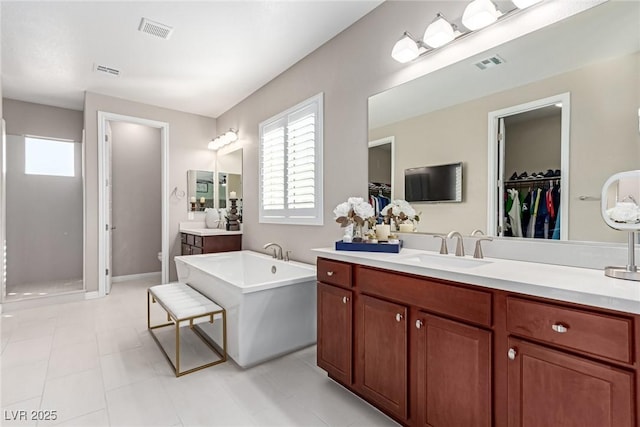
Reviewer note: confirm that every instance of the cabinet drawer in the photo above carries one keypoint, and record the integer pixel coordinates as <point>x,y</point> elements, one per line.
<point>432,295</point>
<point>198,241</point>
<point>334,272</point>
<point>183,238</point>
<point>196,250</point>
<point>190,239</point>
<point>595,333</point>
<point>186,249</point>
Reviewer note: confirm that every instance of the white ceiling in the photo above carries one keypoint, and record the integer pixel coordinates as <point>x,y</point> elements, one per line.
<point>219,53</point>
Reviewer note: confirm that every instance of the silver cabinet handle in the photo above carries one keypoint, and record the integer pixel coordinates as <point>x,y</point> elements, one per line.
<point>419,324</point>
<point>559,328</point>
<point>511,354</point>
<point>329,273</point>
<point>345,300</point>
<point>399,317</point>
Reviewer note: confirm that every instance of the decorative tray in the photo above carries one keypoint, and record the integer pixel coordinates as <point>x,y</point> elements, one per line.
<point>369,247</point>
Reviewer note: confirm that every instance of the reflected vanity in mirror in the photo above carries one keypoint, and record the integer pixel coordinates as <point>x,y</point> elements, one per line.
<point>229,179</point>
<point>200,190</point>
<point>444,117</point>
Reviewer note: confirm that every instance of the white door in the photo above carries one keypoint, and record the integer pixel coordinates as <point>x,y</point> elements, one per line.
<point>501,143</point>
<point>109,192</point>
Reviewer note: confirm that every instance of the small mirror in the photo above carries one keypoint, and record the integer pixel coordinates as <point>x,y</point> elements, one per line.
<point>229,180</point>
<point>620,196</point>
<point>200,190</point>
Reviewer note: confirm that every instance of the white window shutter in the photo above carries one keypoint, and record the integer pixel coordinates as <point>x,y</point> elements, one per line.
<point>291,165</point>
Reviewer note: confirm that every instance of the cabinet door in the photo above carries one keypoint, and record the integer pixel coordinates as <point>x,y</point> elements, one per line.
<point>381,371</point>
<point>552,388</point>
<point>453,373</point>
<point>334,350</point>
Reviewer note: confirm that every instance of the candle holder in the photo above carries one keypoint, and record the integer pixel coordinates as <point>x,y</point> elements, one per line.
<point>232,220</point>
<point>193,206</point>
<point>202,205</point>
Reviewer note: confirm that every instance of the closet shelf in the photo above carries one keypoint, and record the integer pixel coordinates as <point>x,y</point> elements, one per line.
<point>534,180</point>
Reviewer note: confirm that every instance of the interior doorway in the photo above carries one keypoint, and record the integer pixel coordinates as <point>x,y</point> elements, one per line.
<point>529,169</point>
<point>142,195</point>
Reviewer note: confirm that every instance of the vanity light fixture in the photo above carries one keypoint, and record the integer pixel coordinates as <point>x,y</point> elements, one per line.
<point>220,141</point>
<point>407,49</point>
<point>477,15</point>
<point>439,32</point>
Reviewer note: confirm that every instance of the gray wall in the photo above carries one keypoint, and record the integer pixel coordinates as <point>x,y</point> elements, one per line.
<point>47,209</point>
<point>136,199</point>
<point>532,145</point>
<point>189,135</point>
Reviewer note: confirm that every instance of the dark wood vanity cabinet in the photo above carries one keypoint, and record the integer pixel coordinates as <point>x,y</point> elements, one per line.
<point>435,353</point>
<point>194,245</point>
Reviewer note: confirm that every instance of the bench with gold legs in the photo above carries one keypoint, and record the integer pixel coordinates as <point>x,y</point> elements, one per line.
<point>184,305</point>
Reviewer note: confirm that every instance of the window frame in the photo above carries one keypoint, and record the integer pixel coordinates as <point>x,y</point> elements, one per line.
<point>295,216</point>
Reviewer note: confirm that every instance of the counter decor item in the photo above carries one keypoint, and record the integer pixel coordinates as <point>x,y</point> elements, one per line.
<point>232,220</point>
<point>211,218</point>
<point>400,215</point>
<point>620,211</point>
<point>355,212</point>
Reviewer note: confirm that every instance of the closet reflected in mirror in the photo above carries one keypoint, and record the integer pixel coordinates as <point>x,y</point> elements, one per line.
<point>381,172</point>
<point>530,145</point>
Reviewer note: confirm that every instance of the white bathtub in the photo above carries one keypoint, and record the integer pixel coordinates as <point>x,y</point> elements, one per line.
<point>271,304</point>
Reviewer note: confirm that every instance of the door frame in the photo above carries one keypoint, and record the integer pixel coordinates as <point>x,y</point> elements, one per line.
<point>391,140</point>
<point>494,183</point>
<point>103,118</point>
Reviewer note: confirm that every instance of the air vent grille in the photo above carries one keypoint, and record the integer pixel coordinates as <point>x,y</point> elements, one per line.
<point>107,70</point>
<point>155,28</point>
<point>490,62</point>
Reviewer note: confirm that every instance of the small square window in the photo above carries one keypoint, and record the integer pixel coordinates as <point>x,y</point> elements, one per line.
<point>49,157</point>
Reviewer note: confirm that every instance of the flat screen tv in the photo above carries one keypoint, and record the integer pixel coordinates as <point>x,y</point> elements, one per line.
<point>434,184</point>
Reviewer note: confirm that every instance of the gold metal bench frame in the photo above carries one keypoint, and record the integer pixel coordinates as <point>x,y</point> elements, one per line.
<point>173,321</point>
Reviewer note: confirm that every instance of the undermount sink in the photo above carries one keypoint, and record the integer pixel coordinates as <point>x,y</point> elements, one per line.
<point>444,261</point>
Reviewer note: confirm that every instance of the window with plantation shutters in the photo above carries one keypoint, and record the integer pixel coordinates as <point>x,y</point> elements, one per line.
<point>291,165</point>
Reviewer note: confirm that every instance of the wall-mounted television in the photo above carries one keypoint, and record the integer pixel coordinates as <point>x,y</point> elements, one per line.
<point>434,184</point>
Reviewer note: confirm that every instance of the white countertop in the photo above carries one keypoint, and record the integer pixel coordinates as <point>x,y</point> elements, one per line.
<point>570,284</point>
<point>200,229</point>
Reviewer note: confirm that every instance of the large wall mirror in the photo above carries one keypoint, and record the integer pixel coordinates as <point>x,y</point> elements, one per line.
<point>443,118</point>
<point>229,179</point>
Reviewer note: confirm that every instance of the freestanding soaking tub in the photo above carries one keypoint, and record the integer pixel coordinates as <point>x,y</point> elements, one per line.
<point>271,304</point>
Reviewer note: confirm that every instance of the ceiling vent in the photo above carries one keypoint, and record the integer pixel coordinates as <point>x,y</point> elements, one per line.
<point>490,62</point>
<point>106,70</point>
<point>155,28</point>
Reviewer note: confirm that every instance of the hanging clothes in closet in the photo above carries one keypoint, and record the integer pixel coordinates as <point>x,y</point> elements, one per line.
<point>379,197</point>
<point>532,209</point>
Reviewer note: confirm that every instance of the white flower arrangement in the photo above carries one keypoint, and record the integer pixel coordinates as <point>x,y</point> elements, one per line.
<point>399,211</point>
<point>354,211</point>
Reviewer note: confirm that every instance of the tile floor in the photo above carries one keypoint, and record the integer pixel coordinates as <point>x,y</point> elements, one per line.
<point>37,290</point>
<point>94,363</point>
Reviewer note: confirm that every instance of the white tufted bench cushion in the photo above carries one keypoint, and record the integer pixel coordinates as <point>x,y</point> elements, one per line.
<point>182,301</point>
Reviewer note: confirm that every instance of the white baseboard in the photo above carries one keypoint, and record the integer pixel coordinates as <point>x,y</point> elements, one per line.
<point>92,295</point>
<point>24,304</point>
<point>152,275</point>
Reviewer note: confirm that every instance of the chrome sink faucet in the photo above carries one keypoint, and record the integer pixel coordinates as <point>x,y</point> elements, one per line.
<point>277,250</point>
<point>459,244</point>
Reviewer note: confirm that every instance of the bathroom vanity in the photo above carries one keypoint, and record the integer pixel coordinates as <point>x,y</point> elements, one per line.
<point>196,239</point>
<point>444,341</point>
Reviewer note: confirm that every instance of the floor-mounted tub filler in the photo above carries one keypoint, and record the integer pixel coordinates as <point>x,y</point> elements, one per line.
<point>270,304</point>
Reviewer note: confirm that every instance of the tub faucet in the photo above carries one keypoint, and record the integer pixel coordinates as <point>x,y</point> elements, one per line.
<point>460,244</point>
<point>277,250</point>
<point>477,232</point>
